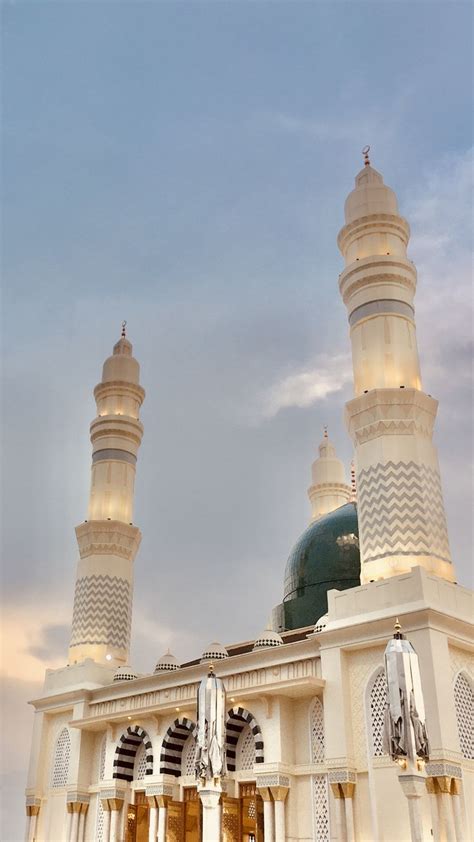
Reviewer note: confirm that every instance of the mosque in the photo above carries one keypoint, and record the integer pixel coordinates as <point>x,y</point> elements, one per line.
<point>113,752</point>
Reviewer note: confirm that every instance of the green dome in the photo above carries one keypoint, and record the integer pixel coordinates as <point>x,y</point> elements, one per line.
<point>325,557</point>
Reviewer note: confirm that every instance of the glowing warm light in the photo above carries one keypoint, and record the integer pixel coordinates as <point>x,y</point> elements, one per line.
<point>232,700</point>
<point>108,657</point>
<point>177,710</point>
<point>129,718</point>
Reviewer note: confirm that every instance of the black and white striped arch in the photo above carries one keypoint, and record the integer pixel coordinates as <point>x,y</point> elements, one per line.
<point>173,743</point>
<point>126,751</point>
<point>237,719</point>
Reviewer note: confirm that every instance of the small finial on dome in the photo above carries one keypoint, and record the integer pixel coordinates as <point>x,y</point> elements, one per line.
<point>365,153</point>
<point>124,325</point>
<point>398,630</point>
<point>211,669</point>
<point>325,428</point>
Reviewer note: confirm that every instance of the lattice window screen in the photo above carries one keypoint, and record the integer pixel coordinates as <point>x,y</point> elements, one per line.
<point>103,747</point>
<point>189,756</point>
<point>464,704</point>
<point>62,754</point>
<point>321,808</point>
<point>99,825</point>
<point>317,731</point>
<point>245,750</point>
<point>139,769</point>
<point>378,702</point>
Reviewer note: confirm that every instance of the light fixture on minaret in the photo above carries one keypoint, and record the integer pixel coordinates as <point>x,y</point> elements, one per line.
<point>108,540</point>
<point>401,514</point>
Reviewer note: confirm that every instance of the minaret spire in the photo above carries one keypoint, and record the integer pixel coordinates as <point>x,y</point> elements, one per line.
<point>108,541</point>
<point>328,490</point>
<point>401,515</point>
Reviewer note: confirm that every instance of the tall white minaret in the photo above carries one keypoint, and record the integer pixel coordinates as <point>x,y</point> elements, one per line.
<point>108,541</point>
<point>402,523</point>
<point>328,490</point>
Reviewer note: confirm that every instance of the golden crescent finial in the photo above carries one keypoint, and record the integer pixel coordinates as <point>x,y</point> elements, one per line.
<point>124,325</point>
<point>365,153</point>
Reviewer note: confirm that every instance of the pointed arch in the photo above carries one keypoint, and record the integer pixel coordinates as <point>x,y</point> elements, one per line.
<point>173,743</point>
<point>237,719</point>
<point>62,753</point>
<point>125,753</point>
<point>376,702</point>
<point>464,706</point>
<point>316,730</point>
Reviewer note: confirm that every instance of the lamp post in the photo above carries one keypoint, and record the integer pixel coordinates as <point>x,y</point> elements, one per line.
<point>405,737</point>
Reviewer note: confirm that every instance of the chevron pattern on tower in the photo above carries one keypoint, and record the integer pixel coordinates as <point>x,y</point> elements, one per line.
<point>401,511</point>
<point>102,611</point>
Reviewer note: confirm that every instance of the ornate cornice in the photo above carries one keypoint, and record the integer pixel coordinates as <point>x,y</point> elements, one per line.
<point>382,412</point>
<point>103,537</point>
<point>373,223</point>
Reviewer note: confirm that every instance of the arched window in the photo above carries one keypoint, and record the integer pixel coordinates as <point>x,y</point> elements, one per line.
<point>140,767</point>
<point>378,703</point>
<point>464,704</point>
<point>316,720</point>
<point>189,756</point>
<point>62,754</point>
<point>125,753</point>
<point>237,719</point>
<point>172,748</point>
<point>245,754</point>
<point>101,764</point>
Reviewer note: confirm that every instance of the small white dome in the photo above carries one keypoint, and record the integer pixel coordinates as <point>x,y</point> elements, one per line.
<point>321,624</point>
<point>214,652</point>
<point>124,673</point>
<point>167,663</point>
<point>268,638</point>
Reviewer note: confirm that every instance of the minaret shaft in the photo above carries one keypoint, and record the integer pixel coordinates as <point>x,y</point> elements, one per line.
<point>401,515</point>
<point>108,541</point>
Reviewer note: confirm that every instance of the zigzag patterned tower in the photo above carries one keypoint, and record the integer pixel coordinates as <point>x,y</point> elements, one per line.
<point>402,523</point>
<point>108,541</point>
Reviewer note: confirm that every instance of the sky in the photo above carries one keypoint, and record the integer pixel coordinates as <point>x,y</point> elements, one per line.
<point>184,166</point>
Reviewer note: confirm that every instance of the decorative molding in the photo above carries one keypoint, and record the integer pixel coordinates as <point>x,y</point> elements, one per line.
<point>275,780</point>
<point>450,770</point>
<point>102,537</point>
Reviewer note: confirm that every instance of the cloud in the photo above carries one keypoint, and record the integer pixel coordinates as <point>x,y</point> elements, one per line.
<point>439,209</point>
<point>306,387</point>
<point>28,636</point>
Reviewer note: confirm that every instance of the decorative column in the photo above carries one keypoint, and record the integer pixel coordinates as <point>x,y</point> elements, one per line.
<point>413,787</point>
<point>116,805</point>
<point>82,822</point>
<point>32,812</point>
<point>268,813</point>
<point>108,541</point>
<point>153,820</point>
<point>444,785</point>
<point>402,522</point>
<point>163,801</point>
<point>106,809</point>
<point>342,783</point>
<point>159,794</point>
<point>211,814</point>
<point>279,794</point>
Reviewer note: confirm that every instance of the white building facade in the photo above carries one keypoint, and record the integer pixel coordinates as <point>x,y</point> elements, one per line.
<point>112,755</point>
